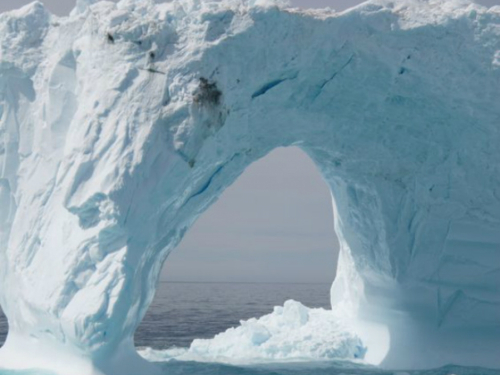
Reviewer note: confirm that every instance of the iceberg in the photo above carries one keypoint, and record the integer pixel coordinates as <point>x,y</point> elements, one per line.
<point>121,123</point>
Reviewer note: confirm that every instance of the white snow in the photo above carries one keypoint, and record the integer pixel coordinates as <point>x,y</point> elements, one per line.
<point>122,123</point>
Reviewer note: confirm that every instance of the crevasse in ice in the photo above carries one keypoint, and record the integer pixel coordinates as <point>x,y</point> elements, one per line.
<point>121,123</point>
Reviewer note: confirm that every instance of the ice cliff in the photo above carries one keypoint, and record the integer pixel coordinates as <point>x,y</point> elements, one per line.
<point>121,123</point>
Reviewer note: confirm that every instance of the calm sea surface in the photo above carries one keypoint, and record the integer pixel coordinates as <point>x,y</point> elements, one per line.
<point>182,312</point>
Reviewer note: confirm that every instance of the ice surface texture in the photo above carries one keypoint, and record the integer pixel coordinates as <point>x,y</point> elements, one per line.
<point>121,123</point>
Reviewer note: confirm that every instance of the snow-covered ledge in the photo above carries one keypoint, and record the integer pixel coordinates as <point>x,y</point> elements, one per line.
<point>122,123</point>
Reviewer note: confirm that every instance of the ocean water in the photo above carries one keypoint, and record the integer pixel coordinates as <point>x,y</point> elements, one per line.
<point>183,312</point>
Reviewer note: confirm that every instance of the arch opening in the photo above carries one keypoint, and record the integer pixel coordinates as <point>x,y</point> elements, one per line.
<point>268,239</point>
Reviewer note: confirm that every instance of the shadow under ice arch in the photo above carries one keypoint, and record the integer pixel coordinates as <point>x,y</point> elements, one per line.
<point>397,104</point>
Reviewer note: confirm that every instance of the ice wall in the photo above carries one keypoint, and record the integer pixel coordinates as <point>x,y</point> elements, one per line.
<point>123,122</point>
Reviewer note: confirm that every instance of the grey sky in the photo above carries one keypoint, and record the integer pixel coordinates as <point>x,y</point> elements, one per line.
<point>274,224</point>
<point>62,7</point>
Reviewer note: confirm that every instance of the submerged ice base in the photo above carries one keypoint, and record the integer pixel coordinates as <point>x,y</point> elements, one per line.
<point>122,123</point>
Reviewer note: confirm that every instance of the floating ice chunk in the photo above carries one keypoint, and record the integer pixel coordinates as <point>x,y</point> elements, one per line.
<point>294,313</point>
<point>291,332</point>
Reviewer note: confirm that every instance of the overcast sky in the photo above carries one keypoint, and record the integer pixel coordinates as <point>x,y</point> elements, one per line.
<point>62,7</point>
<point>274,224</point>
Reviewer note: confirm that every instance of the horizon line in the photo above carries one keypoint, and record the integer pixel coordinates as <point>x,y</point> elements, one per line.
<point>242,282</point>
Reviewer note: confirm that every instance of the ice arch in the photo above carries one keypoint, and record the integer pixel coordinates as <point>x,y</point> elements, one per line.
<point>122,123</point>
